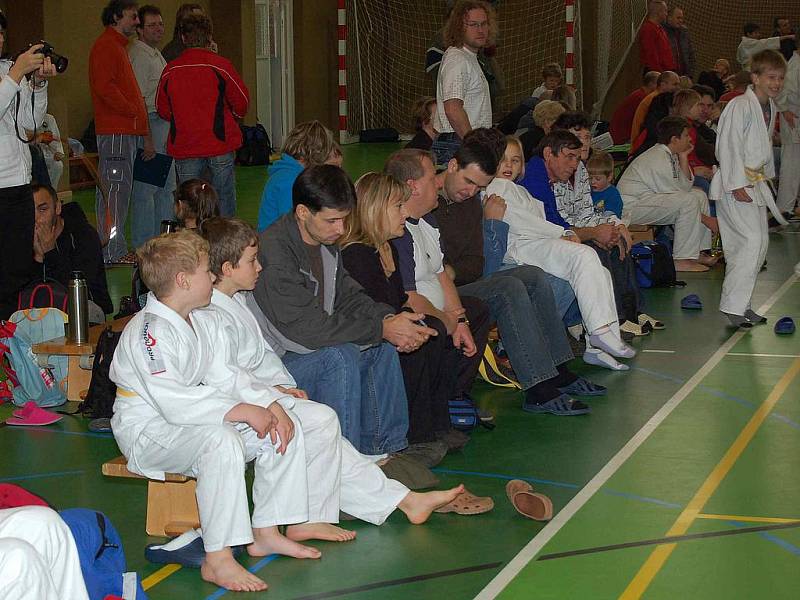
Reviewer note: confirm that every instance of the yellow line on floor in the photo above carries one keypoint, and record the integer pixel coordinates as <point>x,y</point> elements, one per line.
<point>659,556</point>
<point>159,576</point>
<point>745,519</point>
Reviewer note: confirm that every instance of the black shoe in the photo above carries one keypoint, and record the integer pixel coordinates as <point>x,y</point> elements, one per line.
<point>429,454</point>
<point>455,439</point>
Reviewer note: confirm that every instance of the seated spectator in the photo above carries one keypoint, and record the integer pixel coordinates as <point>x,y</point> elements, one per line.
<point>657,190</point>
<point>336,157</point>
<point>532,240</point>
<point>64,242</point>
<point>753,43</point>
<point>339,344</point>
<point>668,81</point>
<point>564,189</point>
<point>202,96</point>
<point>552,77</point>
<point>369,257</point>
<point>707,112</point>
<point>605,196</point>
<point>195,201</point>
<point>308,144</point>
<point>685,82</point>
<point>566,96</point>
<point>38,556</point>
<point>48,139</point>
<point>545,113</point>
<point>715,78</point>
<point>520,298</point>
<point>736,84</point>
<point>429,287</point>
<point>424,113</point>
<point>702,158</point>
<point>660,107</point>
<point>622,119</point>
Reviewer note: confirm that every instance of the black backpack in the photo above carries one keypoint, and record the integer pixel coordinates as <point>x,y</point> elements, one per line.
<point>654,265</point>
<point>99,400</point>
<point>256,146</point>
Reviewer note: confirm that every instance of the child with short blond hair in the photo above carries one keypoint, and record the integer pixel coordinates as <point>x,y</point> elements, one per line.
<point>605,196</point>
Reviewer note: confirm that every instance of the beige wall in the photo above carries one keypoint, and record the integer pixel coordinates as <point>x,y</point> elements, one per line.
<point>316,74</point>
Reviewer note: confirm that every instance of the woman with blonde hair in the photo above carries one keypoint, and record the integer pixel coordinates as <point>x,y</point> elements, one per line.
<point>430,371</point>
<point>702,158</point>
<point>545,113</point>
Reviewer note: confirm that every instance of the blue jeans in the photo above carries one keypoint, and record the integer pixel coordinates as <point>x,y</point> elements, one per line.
<point>364,387</point>
<point>150,204</point>
<point>521,302</point>
<point>445,146</point>
<point>223,177</point>
<point>564,296</point>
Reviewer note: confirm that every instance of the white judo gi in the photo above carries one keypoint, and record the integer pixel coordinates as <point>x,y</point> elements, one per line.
<point>789,101</point>
<point>167,419</point>
<point>750,46</point>
<point>744,150</point>
<point>38,556</point>
<point>655,191</point>
<point>533,240</point>
<point>339,476</point>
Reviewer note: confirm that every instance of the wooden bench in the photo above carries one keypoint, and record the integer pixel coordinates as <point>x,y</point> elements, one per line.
<point>171,504</point>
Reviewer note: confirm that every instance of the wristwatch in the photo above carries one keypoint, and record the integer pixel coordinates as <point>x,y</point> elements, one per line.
<point>463,320</point>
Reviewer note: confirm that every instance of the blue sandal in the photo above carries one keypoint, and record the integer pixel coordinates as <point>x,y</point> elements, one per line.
<point>784,326</point>
<point>692,302</point>
<point>583,387</point>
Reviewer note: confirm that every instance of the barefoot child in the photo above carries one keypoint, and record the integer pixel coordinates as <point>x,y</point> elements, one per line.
<point>342,477</point>
<point>167,420</point>
<point>740,186</point>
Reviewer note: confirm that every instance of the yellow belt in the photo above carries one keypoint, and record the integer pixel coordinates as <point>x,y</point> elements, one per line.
<point>126,393</point>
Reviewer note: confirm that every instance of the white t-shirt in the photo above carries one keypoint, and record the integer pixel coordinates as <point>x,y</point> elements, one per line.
<point>460,76</point>
<point>147,66</point>
<point>420,259</point>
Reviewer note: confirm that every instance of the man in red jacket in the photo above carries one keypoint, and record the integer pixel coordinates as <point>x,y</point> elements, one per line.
<point>622,119</point>
<point>120,119</point>
<point>655,53</point>
<point>202,96</point>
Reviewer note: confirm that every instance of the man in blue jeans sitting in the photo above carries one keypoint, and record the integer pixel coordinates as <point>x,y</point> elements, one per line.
<point>340,345</point>
<point>520,299</point>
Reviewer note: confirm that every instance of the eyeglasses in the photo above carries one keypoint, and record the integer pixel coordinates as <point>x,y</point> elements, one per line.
<point>477,24</point>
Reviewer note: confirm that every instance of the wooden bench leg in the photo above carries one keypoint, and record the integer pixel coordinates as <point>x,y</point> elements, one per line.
<point>171,507</point>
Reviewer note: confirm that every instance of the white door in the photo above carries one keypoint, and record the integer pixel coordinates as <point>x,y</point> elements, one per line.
<point>275,67</point>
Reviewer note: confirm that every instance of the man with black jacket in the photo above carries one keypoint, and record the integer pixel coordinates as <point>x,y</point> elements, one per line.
<point>64,242</point>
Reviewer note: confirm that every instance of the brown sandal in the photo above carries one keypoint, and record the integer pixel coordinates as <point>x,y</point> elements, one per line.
<point>467,503</point>
<point>528,503</point>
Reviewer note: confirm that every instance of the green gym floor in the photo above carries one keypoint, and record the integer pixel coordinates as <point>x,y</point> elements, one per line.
<point>682,483</point>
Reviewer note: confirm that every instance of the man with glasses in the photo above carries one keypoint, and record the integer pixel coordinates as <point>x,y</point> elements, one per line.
<point>151,204</point>
<point>463,101</point>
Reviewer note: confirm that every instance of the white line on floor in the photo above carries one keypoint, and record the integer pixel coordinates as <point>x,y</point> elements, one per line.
<point>764,355</point>
<point>529,552</point>
<point>660,351</point>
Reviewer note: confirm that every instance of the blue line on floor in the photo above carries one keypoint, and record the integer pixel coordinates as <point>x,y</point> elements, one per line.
<point>770,538</point>
<point>253,569</point>
<point>42,475</point>
<point>720,394</point>
<point>64,431</point>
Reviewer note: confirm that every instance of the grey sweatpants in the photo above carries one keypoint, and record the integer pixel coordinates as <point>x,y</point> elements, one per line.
<point>116,154</point>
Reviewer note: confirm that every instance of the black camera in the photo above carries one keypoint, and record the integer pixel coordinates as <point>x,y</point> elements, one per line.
<point>59,62</point>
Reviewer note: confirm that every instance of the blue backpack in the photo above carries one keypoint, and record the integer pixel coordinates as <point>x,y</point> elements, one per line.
<point>102,557</point>
<point>45,385</point>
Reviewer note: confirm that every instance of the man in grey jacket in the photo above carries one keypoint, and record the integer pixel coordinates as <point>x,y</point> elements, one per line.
<point>680,41</point>
<point>338,343</point>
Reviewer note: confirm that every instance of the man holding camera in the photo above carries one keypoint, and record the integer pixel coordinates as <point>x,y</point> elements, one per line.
<point>120,119</point>
<point>23,103</point>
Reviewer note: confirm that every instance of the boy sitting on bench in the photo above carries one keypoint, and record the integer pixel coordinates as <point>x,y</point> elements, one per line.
<point>170,417</point>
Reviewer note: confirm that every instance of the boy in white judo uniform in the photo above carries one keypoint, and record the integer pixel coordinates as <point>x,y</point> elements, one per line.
<point>533,240</point>
<point>788,102</point>
<point>342,477</point>
<point>741,188</point>
<point>167,420</point>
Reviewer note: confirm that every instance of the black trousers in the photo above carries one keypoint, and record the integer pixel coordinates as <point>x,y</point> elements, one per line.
<point>16,244</point>
<point>623,275</point>
<point>429,374</point>
<point>480,322</point>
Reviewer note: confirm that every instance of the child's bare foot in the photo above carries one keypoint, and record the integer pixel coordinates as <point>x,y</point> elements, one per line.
<point>268,540</point>
<point>319,531</point>
<point>418,507</point>
<point>220,568</point>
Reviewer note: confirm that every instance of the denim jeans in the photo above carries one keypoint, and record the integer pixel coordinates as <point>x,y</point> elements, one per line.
<point>150,204</point>
<point>223,177</point>
<point>521,302</point>
<point>445,146</point>
<point>364,387</point>
<point>564,296</point>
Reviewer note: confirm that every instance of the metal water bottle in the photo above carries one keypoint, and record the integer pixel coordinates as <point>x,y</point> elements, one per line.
<point>78,309</point>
